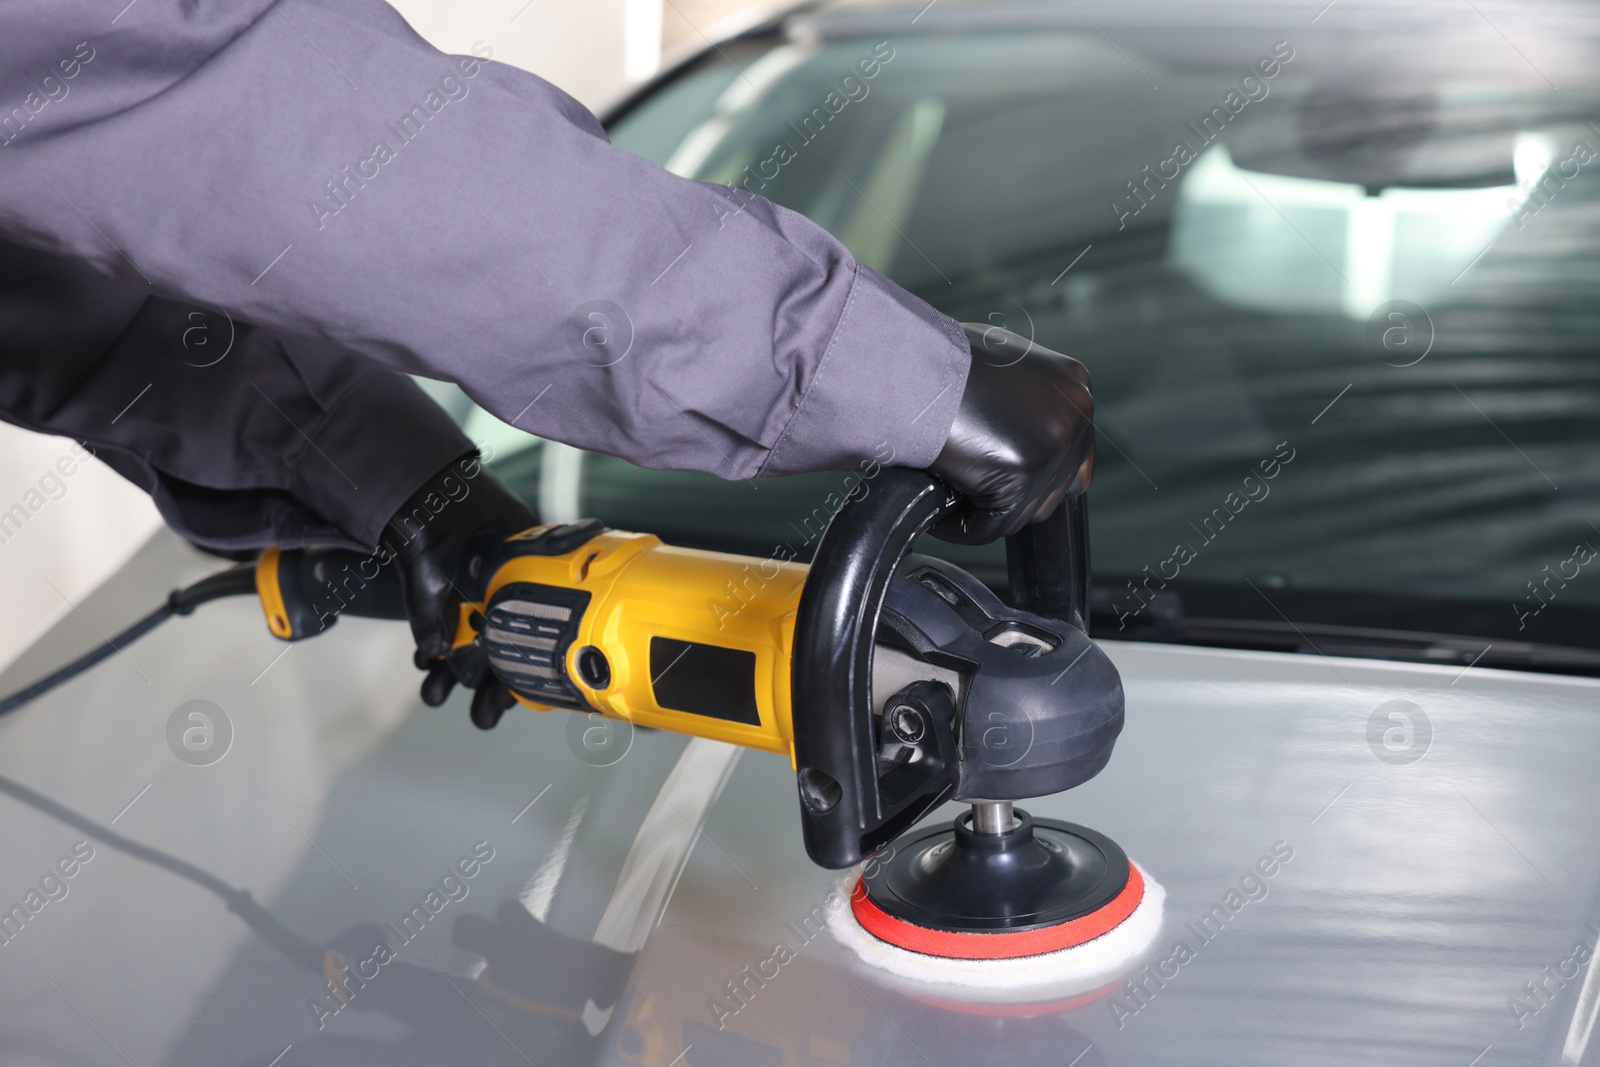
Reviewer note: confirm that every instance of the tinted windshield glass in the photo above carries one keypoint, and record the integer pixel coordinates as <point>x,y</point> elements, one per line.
<point>1342,328</point>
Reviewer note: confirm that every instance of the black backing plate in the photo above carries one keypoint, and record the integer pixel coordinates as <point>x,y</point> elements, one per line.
<point>1043,873</point>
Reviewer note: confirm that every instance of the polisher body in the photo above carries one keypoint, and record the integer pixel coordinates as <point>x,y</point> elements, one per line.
<point>893,682</point>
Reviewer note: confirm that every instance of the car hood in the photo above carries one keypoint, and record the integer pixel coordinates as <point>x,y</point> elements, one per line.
<point>1361,859</point>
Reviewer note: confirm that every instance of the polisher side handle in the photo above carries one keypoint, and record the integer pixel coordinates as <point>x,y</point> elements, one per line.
<point>841,817</point>
<point>304,591</point>
<point>1048,564</point>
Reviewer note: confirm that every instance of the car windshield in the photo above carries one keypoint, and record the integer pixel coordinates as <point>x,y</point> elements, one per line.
<point>1342,327</point>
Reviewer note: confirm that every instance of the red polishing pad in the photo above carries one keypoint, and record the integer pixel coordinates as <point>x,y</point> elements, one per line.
<point>1000,944</point>
<point>959,893</point>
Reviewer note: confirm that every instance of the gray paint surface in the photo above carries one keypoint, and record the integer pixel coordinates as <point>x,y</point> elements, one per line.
<point>1420,897</point>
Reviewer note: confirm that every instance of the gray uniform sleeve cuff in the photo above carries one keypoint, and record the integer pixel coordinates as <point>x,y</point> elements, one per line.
<point>380,442</point>
<point>887,386</point>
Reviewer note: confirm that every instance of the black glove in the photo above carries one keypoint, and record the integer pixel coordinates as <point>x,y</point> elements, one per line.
<point>1022,439</point>
<point>432,537</point>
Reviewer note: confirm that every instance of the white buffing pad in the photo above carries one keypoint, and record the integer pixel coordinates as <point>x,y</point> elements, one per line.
<point>1064,972</point>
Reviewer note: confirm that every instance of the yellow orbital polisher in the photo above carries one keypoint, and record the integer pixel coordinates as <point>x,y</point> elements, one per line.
<point>892,681</point>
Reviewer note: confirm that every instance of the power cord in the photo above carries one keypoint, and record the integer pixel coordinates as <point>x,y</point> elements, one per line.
<point>235,581</point>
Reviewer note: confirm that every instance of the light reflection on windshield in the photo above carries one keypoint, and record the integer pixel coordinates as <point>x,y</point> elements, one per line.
<point>1234,227</point>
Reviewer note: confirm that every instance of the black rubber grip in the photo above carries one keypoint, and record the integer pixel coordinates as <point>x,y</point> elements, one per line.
<point>1048,564</point>
<point>842,819</point>
<point>318,585</point>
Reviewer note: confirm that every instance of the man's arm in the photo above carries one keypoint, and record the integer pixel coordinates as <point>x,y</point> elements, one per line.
<point>242,437</point>
<point>314,166</point>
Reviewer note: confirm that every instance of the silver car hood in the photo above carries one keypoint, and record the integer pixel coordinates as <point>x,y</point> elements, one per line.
<point>1432,895</point>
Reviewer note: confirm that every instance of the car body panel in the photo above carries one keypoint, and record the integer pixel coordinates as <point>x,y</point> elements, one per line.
<point>1419,899</point>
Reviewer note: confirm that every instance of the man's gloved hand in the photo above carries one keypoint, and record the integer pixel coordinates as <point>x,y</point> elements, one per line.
<point>431,537</point>
<point>1022,439</point>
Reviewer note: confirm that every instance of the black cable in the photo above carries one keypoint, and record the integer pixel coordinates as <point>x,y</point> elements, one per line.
<point>234,581</point>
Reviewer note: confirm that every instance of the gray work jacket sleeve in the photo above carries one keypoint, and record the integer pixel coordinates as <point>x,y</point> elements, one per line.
<point>244,438</point>
<point>314,166</point>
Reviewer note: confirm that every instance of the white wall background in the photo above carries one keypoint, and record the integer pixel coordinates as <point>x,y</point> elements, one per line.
<point>594,49</point>
<point>67,547</point>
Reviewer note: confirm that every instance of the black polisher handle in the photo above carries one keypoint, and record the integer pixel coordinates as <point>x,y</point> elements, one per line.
<point>836,626</point>
<point>1048,564</point>
<point>320,585</point>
